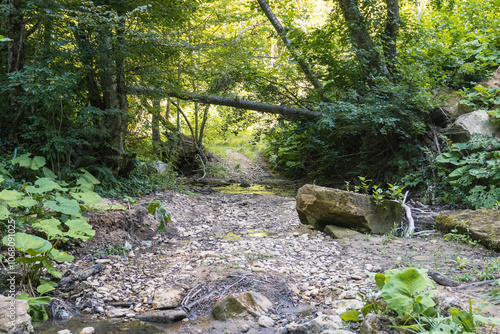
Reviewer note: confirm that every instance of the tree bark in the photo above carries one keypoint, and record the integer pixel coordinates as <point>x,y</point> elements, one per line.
<point>370,59</point>
<point>304,65</point>
<point>155,126</point>
<point>391,34</point>
<point>290,112</point>
<point>248,105</point>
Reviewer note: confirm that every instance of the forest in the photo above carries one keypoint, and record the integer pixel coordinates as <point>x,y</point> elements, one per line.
<point>334,90</point>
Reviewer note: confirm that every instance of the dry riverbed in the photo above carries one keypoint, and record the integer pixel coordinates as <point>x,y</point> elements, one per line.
<point>219,243</point>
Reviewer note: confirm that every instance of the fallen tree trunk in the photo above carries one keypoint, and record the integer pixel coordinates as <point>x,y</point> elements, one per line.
<point>232,102</point>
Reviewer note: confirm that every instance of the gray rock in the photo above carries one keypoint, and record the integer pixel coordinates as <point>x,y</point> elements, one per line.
<point>476,122</point>
<point>337,331</point>
<point>86,273</point>
<point>328,322</point>
<point>241,305</point>
<point>265,321</point>
<point>14,318</point>
<point>167,299</point>
<point>375,324</point>
<point>164,316</point>
<point>120,313</point>
<point>321,206</point>
<point>310,327</point>
<point>88,330</point>
<point>64,331</point>
<point>337,232</point>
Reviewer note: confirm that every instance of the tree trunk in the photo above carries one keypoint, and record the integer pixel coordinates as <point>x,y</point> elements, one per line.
<point>391,33</point>
<point>249,105</point>
<point>304,65</point>
<point>16,31</point>
<point>371,61</point>
<point>290,112</point>
<point>155,127</point>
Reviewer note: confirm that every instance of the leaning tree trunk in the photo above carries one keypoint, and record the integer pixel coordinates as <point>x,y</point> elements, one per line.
<point>303,63</point>
<point>155,127</point>
<point>371,61</point>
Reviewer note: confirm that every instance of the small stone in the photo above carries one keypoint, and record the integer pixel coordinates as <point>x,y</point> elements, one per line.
<point>87,330</point>
<point>131,254</point>
<point>265,321</point>
<point>64,331</point>
<point>244,328</point>
<point>164,316</point>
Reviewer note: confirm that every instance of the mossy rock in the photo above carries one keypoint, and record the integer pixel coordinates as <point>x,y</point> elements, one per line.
<point>482,225</point>
<point>240,305</point>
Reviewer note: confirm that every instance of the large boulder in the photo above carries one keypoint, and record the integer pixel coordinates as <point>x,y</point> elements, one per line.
<point>240,305</point>
<point>476,122</point>
<point>482,225</point>
<point>321,206</point>
<point>14,318</point>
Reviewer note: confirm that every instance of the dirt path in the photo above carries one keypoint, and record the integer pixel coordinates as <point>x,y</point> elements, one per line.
<point>220,243</point>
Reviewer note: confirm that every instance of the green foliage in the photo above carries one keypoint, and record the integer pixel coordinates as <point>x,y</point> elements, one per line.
<point>51,208</point>
<point>480,97</point>
<point>409,293</point>
<point>406,292</point>
<point>159,211</point>
<point>463,174</point>
<point>455,235</point>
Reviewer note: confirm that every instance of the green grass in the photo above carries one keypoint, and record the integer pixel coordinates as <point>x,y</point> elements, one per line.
<point>242,143</point>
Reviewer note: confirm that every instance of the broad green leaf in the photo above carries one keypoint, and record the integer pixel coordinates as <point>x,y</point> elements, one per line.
<point>57,255</point>
<point>4,212</point>
<point>380,280</point>
<point>399,290</point>
<point>50,268</point>
<point>350,315</point>
<point>35,301</point>
<point>64,205</point>
<point>114,207</point>
<point>48,173</point>
<point>29,260</point>
<point>79,228</point>
<point>87,180</point>
<point>41,289</point>
<point>43,185</point>
<point>23,160</point>
<point>11,197</point>
<point>28,243</point>
<point>487,320</point>
<point>37,163</point>
<point>27,202</point>
<point>51,227</point>
<point>153,206</point>
<point>87,197</point>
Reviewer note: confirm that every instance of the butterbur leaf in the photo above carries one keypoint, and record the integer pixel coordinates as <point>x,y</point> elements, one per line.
<point>11,197</point>
<point>43,185</point>
<point>4,212</point>
<point>51,227</point>
<point>23,160</point>
<point>37,163</point>
<point>44,300</point>
<point>48,173</point>
<point>50,268</point>
<point>80,229</point>
<point>41,289</point>
<point>57,255</point>
<point>28,243</point>
<point>29,260</point>
<point>87,197</point>
<point>64,205</point>
<point>350,315</point>
<point>380,280</point>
